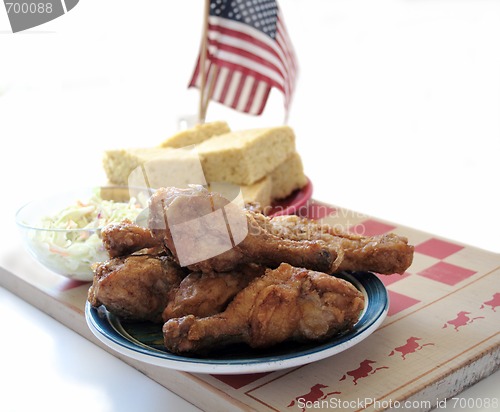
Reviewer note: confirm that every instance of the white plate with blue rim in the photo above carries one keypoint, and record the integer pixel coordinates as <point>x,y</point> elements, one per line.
<point>143,341</point>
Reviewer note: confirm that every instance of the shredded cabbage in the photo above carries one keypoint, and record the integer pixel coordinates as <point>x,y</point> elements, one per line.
<point>74,252</point>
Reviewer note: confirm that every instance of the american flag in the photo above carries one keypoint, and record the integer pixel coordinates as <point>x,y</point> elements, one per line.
<point>248,52</point>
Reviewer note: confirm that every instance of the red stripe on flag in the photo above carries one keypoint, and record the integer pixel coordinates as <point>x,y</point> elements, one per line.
<point>219,29</point>
<point>237,95</point>
<point>247,71</point>
<point>250,100</point>
<point>263,101</point>
<point>225,88</point>
<point>244,53</point>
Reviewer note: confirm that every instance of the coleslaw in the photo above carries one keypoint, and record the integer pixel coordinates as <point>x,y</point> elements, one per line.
<point>69,241</point>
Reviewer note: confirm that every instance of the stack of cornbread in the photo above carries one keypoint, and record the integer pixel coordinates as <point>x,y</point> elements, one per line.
<point>263,162</point>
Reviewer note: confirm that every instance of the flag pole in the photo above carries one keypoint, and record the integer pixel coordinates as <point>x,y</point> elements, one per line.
<point>210,86</point>
<point>203,59</point>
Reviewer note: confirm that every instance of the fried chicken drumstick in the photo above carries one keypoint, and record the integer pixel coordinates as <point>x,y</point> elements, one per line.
<point>124,238</point>
<point>205,294</point>
<point>135,287</point>
<point>175,222</point>
<point>285,304</point>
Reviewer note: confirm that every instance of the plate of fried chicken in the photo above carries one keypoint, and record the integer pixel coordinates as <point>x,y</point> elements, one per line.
<point>211,287</point>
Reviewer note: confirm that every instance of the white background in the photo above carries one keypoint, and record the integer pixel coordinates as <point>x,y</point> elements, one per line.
<point>399,101</point>
<point>397,108</point>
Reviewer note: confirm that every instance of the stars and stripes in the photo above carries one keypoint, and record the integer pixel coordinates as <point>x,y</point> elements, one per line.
<point>248,51</point>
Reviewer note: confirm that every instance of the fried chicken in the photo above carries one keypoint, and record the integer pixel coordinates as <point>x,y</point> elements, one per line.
<point>193,225</point>
<point>285,304</point>
<point>384,254</point>
<point>206,232</point>
<point>124,238</point>
<point>135,287</point>
<point>207,279</point>
<point>205,294</point>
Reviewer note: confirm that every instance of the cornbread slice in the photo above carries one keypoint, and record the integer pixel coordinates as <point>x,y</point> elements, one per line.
<point>287,177</point>
<point>119,163</point>
<point>173,168</point>
<point>196,134</point>
<point>258,193</point>
<point>244,157</point>
<point>153,167</point>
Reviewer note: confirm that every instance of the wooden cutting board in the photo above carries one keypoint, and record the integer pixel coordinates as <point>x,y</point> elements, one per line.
<point>441,335</point>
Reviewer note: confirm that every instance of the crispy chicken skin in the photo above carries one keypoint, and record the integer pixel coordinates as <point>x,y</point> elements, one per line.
<point>285,304</point>
<point>124,238</point>
<point>384,254</point>
<point>270,241</point>
<point>135,287</point>
<point>205,294</point>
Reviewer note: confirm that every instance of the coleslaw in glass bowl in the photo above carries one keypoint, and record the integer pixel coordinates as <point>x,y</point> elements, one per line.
<point>63,231</point>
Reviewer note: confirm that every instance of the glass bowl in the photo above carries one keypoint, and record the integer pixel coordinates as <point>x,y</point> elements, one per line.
<point>63,231</point>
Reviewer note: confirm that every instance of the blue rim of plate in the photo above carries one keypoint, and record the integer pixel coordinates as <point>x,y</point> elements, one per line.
<point>124,338</point>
